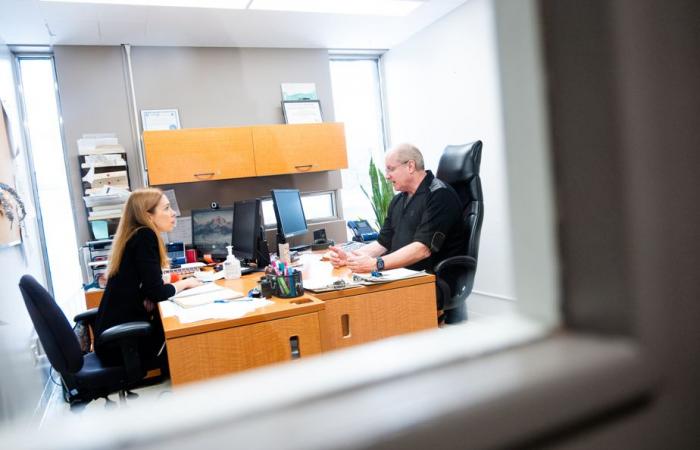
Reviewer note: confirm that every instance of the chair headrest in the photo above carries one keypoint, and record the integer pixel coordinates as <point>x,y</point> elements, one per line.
<point>460,162</point>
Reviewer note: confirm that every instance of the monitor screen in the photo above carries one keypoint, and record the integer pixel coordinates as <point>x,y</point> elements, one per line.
<point>289,212</point>
<point>211,230</point>
<point>246,228</point>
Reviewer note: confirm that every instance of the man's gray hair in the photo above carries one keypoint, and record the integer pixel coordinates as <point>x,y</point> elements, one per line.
<point>407,152</point>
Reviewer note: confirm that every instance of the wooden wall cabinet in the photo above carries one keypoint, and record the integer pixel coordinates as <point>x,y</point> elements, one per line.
<point>198,154</point>
<point>284,149</point>
<point>204,154</point>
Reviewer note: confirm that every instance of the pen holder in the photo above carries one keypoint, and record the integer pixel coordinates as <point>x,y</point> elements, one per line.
<point>288,286</point>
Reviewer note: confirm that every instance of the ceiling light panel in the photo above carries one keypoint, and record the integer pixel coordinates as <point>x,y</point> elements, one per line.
<point>357,7</point>
<point>212,4</point>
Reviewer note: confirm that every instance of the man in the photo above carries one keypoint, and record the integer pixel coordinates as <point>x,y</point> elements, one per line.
<point>423,225</point>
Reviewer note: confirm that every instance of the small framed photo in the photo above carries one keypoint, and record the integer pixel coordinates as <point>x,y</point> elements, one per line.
<point>302,111</point>
<point>160,119</point>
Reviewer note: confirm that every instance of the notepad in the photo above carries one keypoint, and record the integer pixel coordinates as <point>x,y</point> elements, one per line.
<point>202,295</point>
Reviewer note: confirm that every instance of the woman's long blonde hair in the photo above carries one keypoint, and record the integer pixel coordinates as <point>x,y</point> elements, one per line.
<point>135,216</point>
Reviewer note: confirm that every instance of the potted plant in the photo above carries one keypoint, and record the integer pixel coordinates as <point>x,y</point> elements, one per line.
<point>382,193</point>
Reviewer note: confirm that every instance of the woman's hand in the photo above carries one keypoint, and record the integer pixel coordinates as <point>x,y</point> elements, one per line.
<point>187,283</point>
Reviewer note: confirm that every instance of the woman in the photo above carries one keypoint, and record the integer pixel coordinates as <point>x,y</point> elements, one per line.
<point>134,276</point>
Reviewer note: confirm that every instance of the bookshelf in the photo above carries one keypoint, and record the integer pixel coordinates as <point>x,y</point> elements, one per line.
<point>105,178</point>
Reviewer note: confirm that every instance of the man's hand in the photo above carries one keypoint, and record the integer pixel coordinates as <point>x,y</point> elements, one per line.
<point>338,256</point>
<point>361,263</point>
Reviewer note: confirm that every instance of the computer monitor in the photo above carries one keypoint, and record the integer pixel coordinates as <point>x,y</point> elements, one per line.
<point>246,229</point>
<point>289,213</point>
<point>212,230</point>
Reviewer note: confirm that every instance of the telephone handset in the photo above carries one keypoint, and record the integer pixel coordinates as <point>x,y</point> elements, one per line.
<point>321,242</point>
<point>362,230</point>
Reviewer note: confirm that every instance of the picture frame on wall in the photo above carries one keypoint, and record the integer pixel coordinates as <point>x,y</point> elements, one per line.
<point>302,111</point>
<point>160,119</point>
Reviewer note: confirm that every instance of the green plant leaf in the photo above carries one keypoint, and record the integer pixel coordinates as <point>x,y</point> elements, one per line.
<point>382,193</point>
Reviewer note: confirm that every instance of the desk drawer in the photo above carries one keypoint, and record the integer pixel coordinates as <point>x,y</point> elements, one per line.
<point>207,355</point>
<point>356,319</point>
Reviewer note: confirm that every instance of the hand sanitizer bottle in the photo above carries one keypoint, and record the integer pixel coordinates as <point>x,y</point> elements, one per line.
<point>232,266</point>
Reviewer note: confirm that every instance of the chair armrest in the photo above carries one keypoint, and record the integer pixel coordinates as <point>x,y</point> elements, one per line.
<point>88,316</point>
<point>467,262</point>
<point>124,331</point>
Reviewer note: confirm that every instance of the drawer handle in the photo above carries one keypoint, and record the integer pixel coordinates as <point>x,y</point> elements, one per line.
<point>345,325</point>
<point>295,353</point>
<point>304,168</point>
<point>204,174</point>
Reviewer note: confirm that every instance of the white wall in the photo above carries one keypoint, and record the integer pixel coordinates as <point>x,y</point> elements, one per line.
<point>442,87</point>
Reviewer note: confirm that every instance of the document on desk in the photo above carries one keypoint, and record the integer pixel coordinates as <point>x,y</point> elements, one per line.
<point>232,309</point>
<point>205,294</point>
<point>328,284</point>
<point>387,275</point>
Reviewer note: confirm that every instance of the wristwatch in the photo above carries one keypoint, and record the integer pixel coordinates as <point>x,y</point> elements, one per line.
<point>380,263</point>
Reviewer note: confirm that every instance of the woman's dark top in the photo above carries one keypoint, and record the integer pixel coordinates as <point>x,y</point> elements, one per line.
<point>139,278</point>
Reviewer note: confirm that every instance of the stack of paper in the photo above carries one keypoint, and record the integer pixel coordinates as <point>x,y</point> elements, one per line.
<point>227,310</point>
<point>387,275</point>
<point>202,295</point>
<point>103,167</point>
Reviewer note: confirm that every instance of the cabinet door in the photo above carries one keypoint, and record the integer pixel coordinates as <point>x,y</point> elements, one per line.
<point>206,355</point>
<point>356,319</point>
<point>198,154</point>
<point>281,149</point>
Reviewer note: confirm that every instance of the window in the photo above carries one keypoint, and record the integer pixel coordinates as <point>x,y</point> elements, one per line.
<point>318,207</point>
<point>43,131</point>
<point>357,102</point>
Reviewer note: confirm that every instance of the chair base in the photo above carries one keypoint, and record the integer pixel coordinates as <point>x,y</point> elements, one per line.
<point>457,314</point>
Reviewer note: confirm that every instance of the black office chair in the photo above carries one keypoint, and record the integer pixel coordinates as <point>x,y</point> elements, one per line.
<point>83,375</point>
<point>459,167</point>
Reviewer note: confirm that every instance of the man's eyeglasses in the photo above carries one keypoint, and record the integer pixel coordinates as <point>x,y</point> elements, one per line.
<point>391,169</point>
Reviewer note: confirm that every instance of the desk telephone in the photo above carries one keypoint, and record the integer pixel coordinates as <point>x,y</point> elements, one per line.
<point>321,242</point>
<point>362,230</point>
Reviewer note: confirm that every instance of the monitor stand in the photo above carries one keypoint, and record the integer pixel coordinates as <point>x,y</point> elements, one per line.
<point>300,248</point>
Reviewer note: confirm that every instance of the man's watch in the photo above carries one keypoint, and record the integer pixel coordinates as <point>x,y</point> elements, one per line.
<point>380,263</point>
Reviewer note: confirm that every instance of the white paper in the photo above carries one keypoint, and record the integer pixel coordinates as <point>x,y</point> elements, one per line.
<point>229,310</point>
<point>170,193</point>
<point>390,275</point>
<point>182,231</point>
<point>302,112</point>
<point>90,175</point>
<point>160,119</point>
<point>203,295</point>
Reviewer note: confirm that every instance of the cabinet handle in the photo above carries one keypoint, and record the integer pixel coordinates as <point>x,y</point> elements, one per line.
<point>204,174</point>
<point>294,347</point>
<point>304,168</point>
<point>345,325</point>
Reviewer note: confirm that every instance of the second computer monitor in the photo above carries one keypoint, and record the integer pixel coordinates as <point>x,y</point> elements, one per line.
<point>246,229</point>
<point>289,213</point>
<point>211,230</point>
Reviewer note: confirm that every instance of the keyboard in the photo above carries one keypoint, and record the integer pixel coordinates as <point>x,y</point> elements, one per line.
<point>351,246</point>
<point>185,270</point>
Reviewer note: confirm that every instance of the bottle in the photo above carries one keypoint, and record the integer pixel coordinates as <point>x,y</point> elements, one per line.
<point>232,266</point>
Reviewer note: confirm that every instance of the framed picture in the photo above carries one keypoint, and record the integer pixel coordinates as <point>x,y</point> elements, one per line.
<point>302,111</point>
<point>160,119</point>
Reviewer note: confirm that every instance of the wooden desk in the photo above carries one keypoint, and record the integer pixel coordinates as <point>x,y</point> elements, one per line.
<point>271,334</point>
<point>318,321</point>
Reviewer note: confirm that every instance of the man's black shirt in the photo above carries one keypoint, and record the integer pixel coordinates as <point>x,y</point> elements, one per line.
<point>431,216</point>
